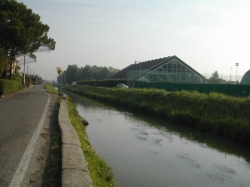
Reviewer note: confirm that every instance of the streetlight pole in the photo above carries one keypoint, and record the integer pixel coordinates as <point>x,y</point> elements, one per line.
<point>25,61</point>
<point>236,64</point>
<point>60,72</point>
<point>24,70</point>
<point>61,86</point>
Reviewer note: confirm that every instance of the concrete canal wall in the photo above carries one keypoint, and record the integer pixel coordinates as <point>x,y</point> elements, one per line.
<point>74,167</point>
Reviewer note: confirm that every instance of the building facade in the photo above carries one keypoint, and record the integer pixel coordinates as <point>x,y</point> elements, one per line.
<point>167,69</point>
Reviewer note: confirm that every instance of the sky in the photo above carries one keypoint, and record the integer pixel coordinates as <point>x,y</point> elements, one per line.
<point>208,35</point>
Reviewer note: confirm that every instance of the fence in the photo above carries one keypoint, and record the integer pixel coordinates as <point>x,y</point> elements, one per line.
<point>102,83</point>
<point>238,90</point>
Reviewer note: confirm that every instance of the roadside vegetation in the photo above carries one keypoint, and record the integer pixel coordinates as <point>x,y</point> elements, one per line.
<point>51,89</point>
<point>100,172</point>
<point>215,112</point>
<point>53,169</point>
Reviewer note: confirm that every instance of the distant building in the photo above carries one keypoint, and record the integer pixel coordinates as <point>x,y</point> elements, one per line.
<point>15,66</point>
<point>167,69</point>
<point>246,78</point>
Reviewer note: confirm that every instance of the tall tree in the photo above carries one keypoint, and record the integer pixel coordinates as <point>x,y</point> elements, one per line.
<point>215,78</point>
<point>215,75</point>
<point>104,73</point>
<point>72,73</point>
<point>86,73</point>
<point>112,70</point>
<point>21,31</point>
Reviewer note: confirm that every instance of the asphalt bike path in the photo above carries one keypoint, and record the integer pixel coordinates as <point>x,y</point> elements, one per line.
<point>21,119</point>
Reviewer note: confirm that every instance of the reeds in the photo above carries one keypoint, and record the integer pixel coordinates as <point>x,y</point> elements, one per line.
<point>215,112</point>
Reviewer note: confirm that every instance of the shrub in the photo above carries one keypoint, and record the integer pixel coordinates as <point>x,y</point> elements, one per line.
<point>9,86</point>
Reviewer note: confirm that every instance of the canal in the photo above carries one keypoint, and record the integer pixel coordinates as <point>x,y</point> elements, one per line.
<point>144,152</point>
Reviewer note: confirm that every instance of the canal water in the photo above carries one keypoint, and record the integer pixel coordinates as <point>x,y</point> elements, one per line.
<point>147,152</point>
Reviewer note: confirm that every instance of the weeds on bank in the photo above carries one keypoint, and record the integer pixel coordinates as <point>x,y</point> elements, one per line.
<point>215,112</point>
<point>51,89</point>
<point>100,172</point>
<point>53,173</point>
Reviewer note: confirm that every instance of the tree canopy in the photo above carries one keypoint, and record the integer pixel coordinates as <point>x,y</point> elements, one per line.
<point>73,73</point>
<point>215,79</point>
<point>21,31</point>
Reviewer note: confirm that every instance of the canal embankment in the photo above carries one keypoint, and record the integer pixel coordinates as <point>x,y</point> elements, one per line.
<point>74,166</point>
<point>98,169</point>
<point>146,151</point>
<point>81,166</point>
<point>214,112</point>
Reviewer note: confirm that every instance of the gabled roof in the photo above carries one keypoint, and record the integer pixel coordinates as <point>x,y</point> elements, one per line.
<point>189,67</point>
<point>148,65</point>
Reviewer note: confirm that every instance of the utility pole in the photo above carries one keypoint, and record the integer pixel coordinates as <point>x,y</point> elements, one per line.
<point>236,64</point>
<point>24,70</point>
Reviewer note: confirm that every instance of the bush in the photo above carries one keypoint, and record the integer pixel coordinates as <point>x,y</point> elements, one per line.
<point>9,86</point>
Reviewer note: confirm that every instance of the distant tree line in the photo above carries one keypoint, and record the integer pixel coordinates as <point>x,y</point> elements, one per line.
<point>36,79</point>
<point>215,79</point>
<point>74,74</point>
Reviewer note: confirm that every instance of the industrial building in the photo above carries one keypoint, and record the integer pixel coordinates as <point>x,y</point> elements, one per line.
<point>167,69</point>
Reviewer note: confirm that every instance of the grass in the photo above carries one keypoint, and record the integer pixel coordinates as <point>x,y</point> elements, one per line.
<point>51,89</point>
<point>100,172</point>
<point>53,169</point>
<point>214,112</point>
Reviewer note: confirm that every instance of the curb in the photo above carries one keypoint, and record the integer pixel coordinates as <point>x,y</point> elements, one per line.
<point>74,167</point>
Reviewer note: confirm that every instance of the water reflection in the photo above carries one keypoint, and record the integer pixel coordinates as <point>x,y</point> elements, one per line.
<point>144,151</point>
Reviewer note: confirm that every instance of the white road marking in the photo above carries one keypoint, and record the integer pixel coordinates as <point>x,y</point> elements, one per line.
<point>24,163</point>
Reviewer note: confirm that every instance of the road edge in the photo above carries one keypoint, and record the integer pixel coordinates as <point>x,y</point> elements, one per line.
<point>24,162</point>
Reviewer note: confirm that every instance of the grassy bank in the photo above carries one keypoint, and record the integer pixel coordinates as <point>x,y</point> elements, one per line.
<point>51,89</point>
<point>218,113</point>
<point>53,169</point>
<point>99,171</point>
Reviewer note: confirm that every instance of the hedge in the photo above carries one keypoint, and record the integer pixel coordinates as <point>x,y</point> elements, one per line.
<point>9,86</point>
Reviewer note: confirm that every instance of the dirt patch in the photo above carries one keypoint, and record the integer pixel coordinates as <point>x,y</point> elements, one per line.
<point>46,136</point>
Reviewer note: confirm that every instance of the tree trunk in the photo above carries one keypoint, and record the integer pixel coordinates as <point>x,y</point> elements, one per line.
<point>11,65</point>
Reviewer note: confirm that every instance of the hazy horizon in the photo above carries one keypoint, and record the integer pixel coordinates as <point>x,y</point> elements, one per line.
<point>208,36</point>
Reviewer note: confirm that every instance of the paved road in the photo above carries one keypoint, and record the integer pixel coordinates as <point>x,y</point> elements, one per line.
<point>20,117</point>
